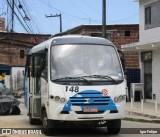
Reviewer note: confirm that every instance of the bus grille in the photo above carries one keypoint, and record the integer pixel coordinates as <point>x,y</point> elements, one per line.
<point>90,99</point>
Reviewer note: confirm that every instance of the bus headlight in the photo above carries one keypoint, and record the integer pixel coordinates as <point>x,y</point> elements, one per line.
<point>120,98</point>
<point>63,100</point>
<point>57,98</point>
<point>116,99</point>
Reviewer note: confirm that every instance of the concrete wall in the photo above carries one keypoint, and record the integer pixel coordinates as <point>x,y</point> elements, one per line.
<point>149,33</point>
<point>156,74</point>
<point>152,33</point>
<point>17,79</point>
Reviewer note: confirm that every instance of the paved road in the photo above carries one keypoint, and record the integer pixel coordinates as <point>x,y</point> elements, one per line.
<point>22,121</point>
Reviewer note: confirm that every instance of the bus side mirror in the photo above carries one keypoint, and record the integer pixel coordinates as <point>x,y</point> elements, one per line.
<point>122,58</point>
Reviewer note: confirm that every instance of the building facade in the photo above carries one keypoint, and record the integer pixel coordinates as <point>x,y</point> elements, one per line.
<point>12,48</point>
<point>149,48</point>
<point>2,24</point>
<point>12,62</point>
<point>14,44</point>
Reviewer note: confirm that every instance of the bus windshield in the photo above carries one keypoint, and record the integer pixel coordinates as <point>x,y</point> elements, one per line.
<point>78,60</point>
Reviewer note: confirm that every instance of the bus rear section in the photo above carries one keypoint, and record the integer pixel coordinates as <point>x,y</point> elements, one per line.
<point>76,81</point>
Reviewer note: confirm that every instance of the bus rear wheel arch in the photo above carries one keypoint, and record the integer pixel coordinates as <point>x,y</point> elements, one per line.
<point>48,125</point>
<point>33,121</point>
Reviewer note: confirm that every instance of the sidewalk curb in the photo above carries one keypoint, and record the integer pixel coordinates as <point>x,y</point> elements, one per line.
<point>142,114</point>
<point>157,121</point>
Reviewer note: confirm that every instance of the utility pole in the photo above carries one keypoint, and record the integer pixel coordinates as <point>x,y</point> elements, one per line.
<point>104,19</point>
<point>60,17</point>
<point>2,13</point>
<point>12,29</point>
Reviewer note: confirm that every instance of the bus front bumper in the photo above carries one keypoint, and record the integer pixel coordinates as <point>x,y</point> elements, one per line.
<point>76,114</point>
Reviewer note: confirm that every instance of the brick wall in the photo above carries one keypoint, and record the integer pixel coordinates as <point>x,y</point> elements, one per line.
<point>132,60</point>
<point>117,36</point>
<point>2,24</point>
<point>12,43</point>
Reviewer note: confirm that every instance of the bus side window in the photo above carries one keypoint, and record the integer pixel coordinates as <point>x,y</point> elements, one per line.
<point>37,60</point>
<point>44,67</point>
<point>39,70</point>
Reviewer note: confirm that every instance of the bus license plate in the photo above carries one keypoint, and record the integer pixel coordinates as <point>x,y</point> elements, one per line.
<point>90,110</point>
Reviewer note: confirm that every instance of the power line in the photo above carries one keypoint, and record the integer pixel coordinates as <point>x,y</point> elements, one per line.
<point>52,7</point>
<point>31,30</point>
<point>18,17</point>
<point>68,14</point>
<point>60,17</point>
<point>3,13</point>
<point>77,7</point>
<point>31,18</point>
<point>21,7</point>
<point>7,17</point>
<point>27,13</point>
<point>36,22</point>
<point>12,16</point>
<point>93,9</point>
<point>88,17</point>
<point>3,5</point>
<point>126,18</point>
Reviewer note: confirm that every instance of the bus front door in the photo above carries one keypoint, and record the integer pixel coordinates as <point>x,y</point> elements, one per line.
<point>35,97</point>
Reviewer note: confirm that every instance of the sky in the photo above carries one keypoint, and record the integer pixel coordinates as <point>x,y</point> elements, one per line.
<point>74,13</point>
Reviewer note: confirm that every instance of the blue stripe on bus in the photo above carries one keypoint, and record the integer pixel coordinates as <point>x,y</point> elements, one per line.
<point>94,98</point>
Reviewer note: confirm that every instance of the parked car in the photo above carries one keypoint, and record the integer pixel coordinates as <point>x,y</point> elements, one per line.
<point>8,103</point>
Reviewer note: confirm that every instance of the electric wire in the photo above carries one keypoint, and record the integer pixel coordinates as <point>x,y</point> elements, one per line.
<point>68,19</point>
<point>18,17</point>
<point>77,7</point>
<point>34,20</point>
<point>31,30</point>
<point>30,17</point>
<point>52,7</point>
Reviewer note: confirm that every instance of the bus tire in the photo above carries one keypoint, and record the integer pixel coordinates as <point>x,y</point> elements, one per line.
<point>47,128</point>
<point>34,121</point>
<point>114,126</point>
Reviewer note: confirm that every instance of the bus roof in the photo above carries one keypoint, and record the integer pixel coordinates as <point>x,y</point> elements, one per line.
<point>69,40</point>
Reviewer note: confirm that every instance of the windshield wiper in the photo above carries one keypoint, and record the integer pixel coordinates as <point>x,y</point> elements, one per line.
<point>79,78</point>
<point>102,77</point>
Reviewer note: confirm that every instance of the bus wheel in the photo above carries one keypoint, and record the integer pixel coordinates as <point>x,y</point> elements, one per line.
<point>114,126</point>
<point>47,129</point>
<point>34,121</point>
